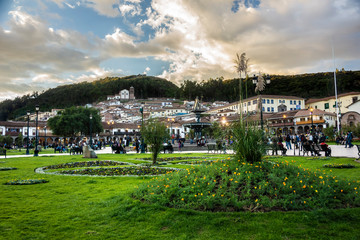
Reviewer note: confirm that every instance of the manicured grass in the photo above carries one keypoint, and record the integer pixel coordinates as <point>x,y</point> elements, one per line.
<point>22,151</point>
<point>70,207</point>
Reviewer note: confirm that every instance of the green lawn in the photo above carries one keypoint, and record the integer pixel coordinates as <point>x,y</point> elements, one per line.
<point>22,151</point>
<point>70,207</point>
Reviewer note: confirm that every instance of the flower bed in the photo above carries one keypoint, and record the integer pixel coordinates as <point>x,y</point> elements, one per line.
<point>339,166</point>
<point>138,171</point>
<point>7,168</point>
<point>241,186</point>
<point>86,164</point>
<point>202,162</point>
<point>25,181</point>
<point>172,158</point>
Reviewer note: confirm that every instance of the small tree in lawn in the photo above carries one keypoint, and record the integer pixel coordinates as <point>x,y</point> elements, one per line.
<point>155,134</point>
<point>19,141</point>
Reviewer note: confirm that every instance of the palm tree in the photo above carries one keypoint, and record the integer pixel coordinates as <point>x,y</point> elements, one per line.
<point>241,65</point>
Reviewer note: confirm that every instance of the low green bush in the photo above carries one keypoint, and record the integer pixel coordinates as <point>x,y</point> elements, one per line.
<point>25,181</point>
<point>7,168</point>
<point>339,166</point>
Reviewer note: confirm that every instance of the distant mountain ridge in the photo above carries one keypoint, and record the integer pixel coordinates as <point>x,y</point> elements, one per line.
<point>313,85</point>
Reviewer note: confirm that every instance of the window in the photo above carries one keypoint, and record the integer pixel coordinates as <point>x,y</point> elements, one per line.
<point>272,101</point>
<point>268,101</point>
<point>326,106</point>
<point>249,103</point>
<point>291,103</point>
<point>354,99</point>
<point>263,109</point>
<point>255,102</point>
<point>272,109</point>
<point>263,101</point>
<point>299,102</point>
<point>268,109</point>
<point>291,109</point>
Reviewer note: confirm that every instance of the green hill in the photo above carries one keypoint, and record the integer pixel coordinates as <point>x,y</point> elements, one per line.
<point>314,85</point>
<point>87,92</point>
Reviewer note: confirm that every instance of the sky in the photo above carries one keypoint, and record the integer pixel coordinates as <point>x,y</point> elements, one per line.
<point>47,43</point>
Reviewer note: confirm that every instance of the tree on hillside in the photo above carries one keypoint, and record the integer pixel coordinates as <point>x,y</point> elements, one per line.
<point>75,120</point>
<point>155,134</point>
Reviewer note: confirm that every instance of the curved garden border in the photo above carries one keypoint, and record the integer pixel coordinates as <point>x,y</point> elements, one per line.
<point>44,170</point>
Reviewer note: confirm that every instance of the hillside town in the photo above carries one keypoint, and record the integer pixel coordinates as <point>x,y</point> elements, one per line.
<point>121,116</point>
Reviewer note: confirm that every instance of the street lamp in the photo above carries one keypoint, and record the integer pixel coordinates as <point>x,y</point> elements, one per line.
<point>27,140</point>
<point>284,116</point>
<point>260,84</point>
<point>312,122</point>
<point>110,123</point>
<point>45,138</point>
<point>142,127</point>
<point>171,120</point>
<point>91,116</point>
<point>36,131</point>
<point>223,121</point>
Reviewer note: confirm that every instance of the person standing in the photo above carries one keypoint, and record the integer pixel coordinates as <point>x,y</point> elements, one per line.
<point>349,138</point>
<point>287,140</point>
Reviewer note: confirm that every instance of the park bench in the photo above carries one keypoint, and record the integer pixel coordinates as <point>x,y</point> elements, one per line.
<point>275,148</point>
<point>323,148</point>
<point>76,150</point>
<point>168,147</point>
<point>3,151</point>
<point>211,147</point>
<point>117,149</point>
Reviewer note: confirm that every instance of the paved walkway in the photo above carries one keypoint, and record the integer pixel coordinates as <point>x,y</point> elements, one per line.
<point>336,151</point>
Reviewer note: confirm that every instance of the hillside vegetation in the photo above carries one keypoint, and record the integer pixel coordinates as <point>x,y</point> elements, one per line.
<point>316,85</point>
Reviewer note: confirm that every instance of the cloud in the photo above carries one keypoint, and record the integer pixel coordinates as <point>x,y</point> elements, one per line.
<point>198,39</point>
<point>34,54</point>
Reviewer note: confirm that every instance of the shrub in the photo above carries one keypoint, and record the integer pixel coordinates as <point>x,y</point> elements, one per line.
<point>25,181</point>
<point>339,165</point>
<point>248,144</point>
<point>7,168</point>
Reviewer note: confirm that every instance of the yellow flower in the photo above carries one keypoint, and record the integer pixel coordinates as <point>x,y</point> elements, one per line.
<point>182,199</point>
<point>256,200</point>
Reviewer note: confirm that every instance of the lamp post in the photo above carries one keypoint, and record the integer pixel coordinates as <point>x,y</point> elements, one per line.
<point>142,126</point>
<point>284,116</point>
<point>260,84</point>
<point>171,120</point>
<point>91,116</point>
<point>27,139</point>
<point>36,131</point>
<point>45,138</point>
<point>312,122</point>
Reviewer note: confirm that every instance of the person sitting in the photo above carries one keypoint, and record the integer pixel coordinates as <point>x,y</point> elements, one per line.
<point>326,148</point>
<point>281,148</point>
